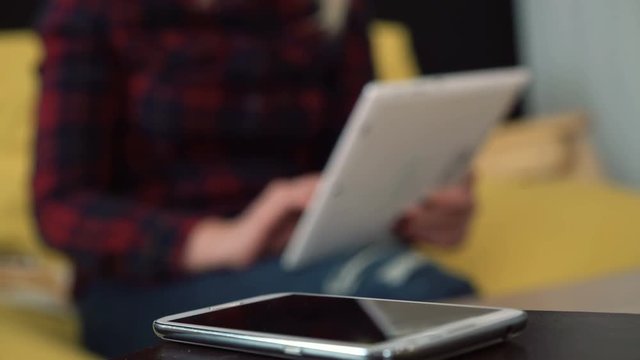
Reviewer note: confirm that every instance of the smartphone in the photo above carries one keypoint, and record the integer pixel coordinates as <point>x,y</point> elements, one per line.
<point>294,325</point>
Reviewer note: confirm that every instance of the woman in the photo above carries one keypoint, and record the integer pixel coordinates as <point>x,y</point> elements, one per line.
<point>178,140</point>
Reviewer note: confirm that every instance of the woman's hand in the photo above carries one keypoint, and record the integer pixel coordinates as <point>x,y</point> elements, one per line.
<point>442,219</point>
<point>264,227</point>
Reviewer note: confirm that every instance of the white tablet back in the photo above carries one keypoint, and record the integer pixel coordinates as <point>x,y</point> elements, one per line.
<point>402,141</point>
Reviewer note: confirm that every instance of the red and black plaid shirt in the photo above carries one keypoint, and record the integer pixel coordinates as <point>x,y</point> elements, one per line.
<point>156,113</point>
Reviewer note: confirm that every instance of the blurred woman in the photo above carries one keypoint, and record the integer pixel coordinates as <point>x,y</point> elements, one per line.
<point>179,140</point>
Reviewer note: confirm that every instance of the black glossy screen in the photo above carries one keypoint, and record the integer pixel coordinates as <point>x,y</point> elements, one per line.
<point>333,318</point>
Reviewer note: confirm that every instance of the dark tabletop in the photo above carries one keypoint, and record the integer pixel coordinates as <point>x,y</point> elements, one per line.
<point>549,335</point>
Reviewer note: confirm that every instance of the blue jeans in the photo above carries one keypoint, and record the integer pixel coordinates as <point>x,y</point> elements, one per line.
<point>117,317</point>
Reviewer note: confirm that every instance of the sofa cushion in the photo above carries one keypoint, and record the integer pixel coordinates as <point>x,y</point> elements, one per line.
<point>19,53</point>
<point>30,334</point>
<point>532,235</point>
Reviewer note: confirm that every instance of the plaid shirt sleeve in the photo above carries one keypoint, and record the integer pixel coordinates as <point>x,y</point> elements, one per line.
<point>79,106</point>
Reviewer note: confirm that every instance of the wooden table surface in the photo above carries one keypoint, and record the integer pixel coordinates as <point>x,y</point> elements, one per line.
<point>549,335</point>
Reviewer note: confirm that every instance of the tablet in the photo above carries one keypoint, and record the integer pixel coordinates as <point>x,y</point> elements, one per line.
<point>402,141</point>
<point>342,328</point>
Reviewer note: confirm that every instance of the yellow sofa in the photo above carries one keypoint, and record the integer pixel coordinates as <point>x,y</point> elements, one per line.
<point>544,216</point>
<point>36,319</point>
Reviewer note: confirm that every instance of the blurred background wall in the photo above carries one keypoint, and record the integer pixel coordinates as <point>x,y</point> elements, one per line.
<point>586,54</point>
<point>456,35</point>
<point>18,13</point>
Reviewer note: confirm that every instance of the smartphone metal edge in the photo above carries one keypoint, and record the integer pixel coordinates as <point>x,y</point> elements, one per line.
<point>459,336</point>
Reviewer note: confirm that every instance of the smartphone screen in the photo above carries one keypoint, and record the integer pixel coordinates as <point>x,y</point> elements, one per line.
<point>366,321</point>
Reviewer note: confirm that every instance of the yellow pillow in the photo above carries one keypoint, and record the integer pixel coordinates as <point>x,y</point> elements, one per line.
<point>392,51</point>
<point>540,149</point>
